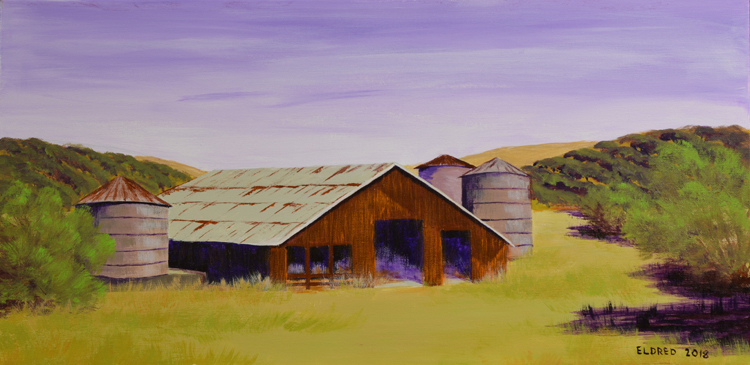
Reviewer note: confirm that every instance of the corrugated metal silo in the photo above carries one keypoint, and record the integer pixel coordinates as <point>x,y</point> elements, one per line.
<point>138,222</point>
<point>444,173</point>
<point>498,193</point>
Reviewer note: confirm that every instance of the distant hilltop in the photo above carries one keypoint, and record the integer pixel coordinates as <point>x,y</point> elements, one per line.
<point>189,170</point>
<point>523,155</point>
<point>75,170</point>
<point>526,155</point>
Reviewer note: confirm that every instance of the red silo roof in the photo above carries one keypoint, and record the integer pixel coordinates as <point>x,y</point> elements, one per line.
<point>122,190</point>
<point>445,160</point>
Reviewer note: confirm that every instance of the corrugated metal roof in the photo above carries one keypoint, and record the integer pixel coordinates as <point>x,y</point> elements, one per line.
<point>445,160</point>
<point>260,206</point>
<point>496,165</point>
<point>267,206</point>
<point>121,189</point>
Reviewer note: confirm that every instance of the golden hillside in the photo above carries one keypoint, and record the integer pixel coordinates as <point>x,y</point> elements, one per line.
<point>522,155</point>
<point>192,171</point>
<point>527,155</point>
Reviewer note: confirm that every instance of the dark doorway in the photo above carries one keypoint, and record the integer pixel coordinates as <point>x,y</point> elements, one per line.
<point>295,260</point>
<point>227,261</point>
<point>399,244</point>
<point>342,259</point>
<point>319,260</point>
<point>457,253</point>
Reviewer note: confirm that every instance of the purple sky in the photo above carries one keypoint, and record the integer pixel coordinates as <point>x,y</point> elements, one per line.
<point>232,84</point>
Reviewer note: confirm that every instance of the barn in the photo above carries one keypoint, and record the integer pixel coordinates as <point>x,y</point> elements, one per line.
<point>305,224</point>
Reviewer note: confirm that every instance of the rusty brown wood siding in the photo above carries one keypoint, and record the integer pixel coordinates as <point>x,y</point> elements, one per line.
<point>278,265</point>
<point>398,195</point>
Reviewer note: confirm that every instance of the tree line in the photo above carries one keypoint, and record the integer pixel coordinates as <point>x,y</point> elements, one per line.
<point>74,171</point>
<point>682,193</point>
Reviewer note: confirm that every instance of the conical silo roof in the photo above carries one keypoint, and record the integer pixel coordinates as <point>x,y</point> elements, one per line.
<point>445,160</point>
<point>122,190</point>
<point>496,165</point>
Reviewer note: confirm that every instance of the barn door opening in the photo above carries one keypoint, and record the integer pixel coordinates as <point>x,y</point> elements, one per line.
<point>457,254</point>
<point>295,264</point>
<point>399,244</point>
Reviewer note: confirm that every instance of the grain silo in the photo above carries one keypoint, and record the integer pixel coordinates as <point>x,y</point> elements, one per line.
<point>444,173</point>
<point>498,193</point>
<point>137,221</point>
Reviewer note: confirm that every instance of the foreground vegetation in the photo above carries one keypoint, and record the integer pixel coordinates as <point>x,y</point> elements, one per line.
<point>47,254</point>
<point>514,320</point>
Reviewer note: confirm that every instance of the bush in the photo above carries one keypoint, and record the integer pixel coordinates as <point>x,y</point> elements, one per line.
<point>48,255</point>
<point>603,211</point>
<point>698,212</point>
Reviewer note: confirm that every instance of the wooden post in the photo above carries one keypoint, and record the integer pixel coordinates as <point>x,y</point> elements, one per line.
<point>278,265</point>
<point>330,263</point>
<point>432,261</point>
<point>477,250</point>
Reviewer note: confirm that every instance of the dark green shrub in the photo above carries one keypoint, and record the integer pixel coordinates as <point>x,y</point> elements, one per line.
<point>605,208</point>
<point>48,254</point>
<point>697,211</point>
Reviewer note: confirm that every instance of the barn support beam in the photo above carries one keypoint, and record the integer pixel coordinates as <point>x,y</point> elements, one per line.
<point>432,262</point>
<point>278,265</point>
<point>363,257</point>
<point>330,262</point>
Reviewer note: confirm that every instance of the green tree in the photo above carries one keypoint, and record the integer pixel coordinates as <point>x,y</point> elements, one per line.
<point>48,255</point>
<point>606,207</point>
<point>697,211</point>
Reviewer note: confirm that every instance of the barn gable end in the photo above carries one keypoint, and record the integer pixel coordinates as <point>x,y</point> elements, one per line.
<point>399,195</point>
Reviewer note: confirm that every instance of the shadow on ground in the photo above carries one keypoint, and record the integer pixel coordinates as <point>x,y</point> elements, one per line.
<point>707,313</point>
<point>588,232</point>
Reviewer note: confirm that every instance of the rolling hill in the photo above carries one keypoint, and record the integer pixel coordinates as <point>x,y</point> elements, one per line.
<point>75,171</point>
<point>565,179</point>
<point>526,155</point>
<point>188,170</point>
<point>521,155</point>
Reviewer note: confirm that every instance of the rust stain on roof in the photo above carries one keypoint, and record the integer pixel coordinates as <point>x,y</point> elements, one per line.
<point>327,191</point>
<point>255,189</point>
<point>120,190</point>
<point>341,171</point>
<point>264,209</point>
<point>203,224</point>
<point>208,205</point>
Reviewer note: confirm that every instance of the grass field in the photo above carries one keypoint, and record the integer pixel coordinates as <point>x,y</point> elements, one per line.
<point>514,320</point>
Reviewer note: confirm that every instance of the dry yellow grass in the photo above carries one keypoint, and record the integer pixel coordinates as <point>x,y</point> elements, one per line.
<point>191,171</point>
<point>510,321</point>
<point>521,155</point>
